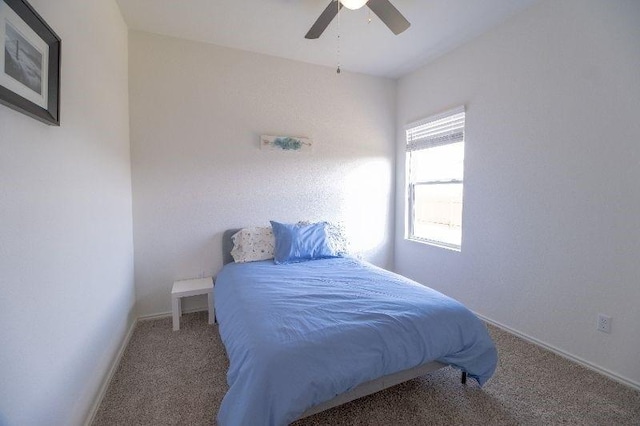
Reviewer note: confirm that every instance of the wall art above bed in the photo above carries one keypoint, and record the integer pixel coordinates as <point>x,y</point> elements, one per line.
<point>30,64</point>
<point>285,143</point>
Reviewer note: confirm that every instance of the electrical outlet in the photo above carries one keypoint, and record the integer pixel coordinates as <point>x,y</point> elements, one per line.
<point>604,323</point>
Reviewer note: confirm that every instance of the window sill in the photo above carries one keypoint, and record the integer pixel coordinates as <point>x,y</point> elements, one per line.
<point>438,244</point>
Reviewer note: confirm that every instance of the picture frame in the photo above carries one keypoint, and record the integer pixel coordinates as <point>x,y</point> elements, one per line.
<point>285,143</point>
<point>29,63</point>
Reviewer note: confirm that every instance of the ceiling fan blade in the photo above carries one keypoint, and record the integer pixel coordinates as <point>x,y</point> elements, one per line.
<point>324,20</point>
<point>389,15</point>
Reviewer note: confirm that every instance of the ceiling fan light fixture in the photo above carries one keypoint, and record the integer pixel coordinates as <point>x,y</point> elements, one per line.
<point>383,9</point>
<point>353,4</point>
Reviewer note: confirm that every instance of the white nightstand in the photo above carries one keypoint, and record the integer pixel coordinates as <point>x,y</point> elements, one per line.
<point>188,288</point>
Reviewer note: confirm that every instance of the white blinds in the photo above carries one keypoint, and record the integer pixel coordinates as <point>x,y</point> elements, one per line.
<point>437,130</point>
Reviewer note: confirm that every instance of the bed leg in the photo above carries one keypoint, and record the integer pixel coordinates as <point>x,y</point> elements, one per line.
<point>464,378</point>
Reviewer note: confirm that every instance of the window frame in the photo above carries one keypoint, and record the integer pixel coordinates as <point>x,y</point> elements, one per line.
<point>410,186</point>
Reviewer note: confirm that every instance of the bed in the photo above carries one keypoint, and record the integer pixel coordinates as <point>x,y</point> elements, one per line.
<point>305,337</point>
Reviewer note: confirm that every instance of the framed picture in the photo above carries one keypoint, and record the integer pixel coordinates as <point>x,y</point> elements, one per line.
<point>285,143</point>
<point>30,65</point>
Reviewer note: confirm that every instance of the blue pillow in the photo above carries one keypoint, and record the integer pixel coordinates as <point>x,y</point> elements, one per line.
<point>299,243</point>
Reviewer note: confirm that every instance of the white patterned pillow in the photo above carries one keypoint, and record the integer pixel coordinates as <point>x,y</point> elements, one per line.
<point>337,238</point>
<point>253,244</point>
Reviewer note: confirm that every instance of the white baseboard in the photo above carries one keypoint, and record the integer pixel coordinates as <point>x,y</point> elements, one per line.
<point>109,376</point>
<point>168,314</point>
<point>562,353</point>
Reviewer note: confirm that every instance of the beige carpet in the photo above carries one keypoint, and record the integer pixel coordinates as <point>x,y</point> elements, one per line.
<point>179,378</point>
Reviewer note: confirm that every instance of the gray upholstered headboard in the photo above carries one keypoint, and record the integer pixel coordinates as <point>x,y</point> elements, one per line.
<point>227,245</point>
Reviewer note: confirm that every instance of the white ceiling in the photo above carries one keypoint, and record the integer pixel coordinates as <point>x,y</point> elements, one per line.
<point>277,27</point>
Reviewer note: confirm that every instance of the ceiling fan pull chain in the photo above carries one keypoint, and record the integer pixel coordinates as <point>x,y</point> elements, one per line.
<point>338,27</point>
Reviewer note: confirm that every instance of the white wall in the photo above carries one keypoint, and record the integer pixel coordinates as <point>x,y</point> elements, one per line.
<point>66,249</point>
<point>197,112</point>
<point>551,226</point>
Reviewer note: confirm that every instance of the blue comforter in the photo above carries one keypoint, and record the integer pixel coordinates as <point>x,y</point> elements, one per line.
<point>299,334</point>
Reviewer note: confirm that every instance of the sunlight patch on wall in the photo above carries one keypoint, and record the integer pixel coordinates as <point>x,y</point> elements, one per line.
<point>367,187</point>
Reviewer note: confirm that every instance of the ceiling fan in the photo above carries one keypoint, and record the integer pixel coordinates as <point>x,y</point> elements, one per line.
<point>383,8</point>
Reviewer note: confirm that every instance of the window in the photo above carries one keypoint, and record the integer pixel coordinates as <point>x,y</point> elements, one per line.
<point>435,166</point>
